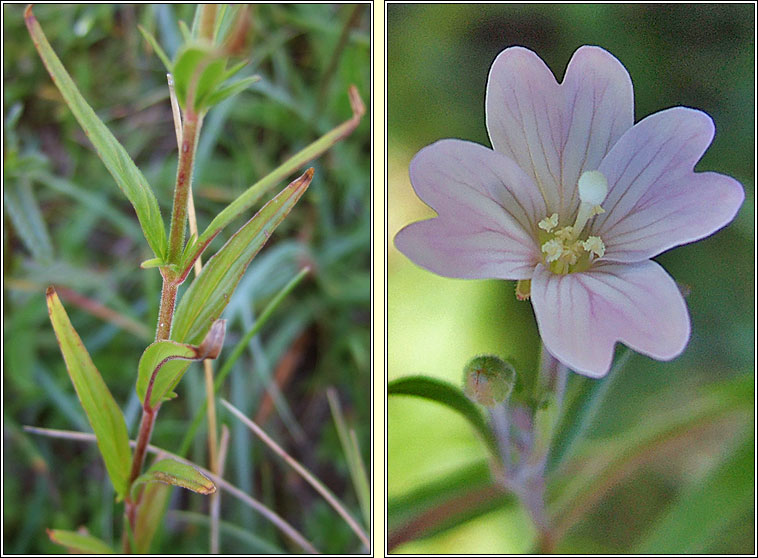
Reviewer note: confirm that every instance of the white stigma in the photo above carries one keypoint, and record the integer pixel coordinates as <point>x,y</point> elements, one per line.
<point>593,187</point>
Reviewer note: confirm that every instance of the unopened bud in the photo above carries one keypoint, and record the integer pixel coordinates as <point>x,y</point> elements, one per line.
<point>488,380</point>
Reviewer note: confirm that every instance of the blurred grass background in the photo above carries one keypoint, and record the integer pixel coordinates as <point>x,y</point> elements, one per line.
<point>438,58</point>
<point>66,222</point>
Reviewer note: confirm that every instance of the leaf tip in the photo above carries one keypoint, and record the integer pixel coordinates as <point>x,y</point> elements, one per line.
<point>50,292</point>
<point>356,103</point>
<point>205,488</point>
<point>28,14</point>
<point>304,180</point>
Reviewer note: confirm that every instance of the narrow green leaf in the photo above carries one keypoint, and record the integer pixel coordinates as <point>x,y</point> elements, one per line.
<point>188,59</point>
<point>78,543</point>
<point>581,417</point>
<point>151,263</point>
<point>157,363</point>
<point>254,193</point>
<point>210,79</point>
<point>111,152</point>
<point>184,30</point>
<point>229,90</point>
<point>104,415</point>
<point>446,394</point>
<point>707,507</point>
<point>209,293</point>
<point>156,47</point>
<point>231,72</point>
<point>237,352</point>
<point>175,473</point>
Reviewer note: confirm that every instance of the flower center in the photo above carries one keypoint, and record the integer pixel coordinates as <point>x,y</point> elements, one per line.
<point>563,248</point>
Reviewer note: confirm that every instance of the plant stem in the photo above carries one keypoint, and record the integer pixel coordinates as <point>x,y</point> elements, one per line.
<point>526,477</point>
<point>166,312</point>
<point>191,125</point>
<point>190,131</point>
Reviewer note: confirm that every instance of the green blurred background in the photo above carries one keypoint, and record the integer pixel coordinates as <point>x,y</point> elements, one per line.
<point>66,222</point>
<point>438,58</point>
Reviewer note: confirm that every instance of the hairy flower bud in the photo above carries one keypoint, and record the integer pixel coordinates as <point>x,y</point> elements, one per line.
<point>488,380</point>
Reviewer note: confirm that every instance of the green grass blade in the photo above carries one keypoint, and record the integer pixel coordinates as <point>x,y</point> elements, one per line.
<point>603,463</point>
<point>209,293</point>
<point>445,503</point>
<point>448,395</point>
<point>128,177</point>
<point>77,543</point>
<point>102,411</point>
<point>352,454</point>
<point>26,216</point>
<point>703,511</point>
<point>319,486</point>
<point>94,201</point>
<point>253,543</point>
<point>589,401</point>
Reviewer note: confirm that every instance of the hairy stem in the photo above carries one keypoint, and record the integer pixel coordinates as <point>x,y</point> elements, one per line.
<point>191,125</point>
<point>166,312</point>
<point>190,131</point>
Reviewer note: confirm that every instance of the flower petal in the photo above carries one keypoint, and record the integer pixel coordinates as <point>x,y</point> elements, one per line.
<point>488,210</point>
<point>655,200</point>
<point>465,251</point>
<point>557,132</point>
<point>582,315</point>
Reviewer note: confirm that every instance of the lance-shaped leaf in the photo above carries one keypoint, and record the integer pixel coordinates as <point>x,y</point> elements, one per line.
<point>79,543</point>
<point>209,293</point>
<point>159,371</point>
<point>225,91</point>
<point>111,152</point>
<point>175,473</point>
<point>104,415</point>
<point>251,196</point>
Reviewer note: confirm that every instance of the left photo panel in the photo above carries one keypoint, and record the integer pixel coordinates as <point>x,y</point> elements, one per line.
<point>187,279</point>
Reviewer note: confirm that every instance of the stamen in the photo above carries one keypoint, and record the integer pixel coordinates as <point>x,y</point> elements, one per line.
<point>594,245</point>
<point>553,249</point>
<point>549,223</point>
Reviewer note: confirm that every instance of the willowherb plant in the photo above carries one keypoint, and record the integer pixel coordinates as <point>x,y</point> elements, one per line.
<point>200,76</point>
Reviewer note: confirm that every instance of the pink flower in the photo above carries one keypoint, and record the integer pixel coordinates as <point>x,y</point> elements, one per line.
<point>575,198</point>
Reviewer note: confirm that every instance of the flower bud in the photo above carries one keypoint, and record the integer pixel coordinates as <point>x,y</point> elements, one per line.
<point>488,380</point>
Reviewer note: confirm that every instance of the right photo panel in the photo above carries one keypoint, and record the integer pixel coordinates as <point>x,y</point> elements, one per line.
<point>570,299</point>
